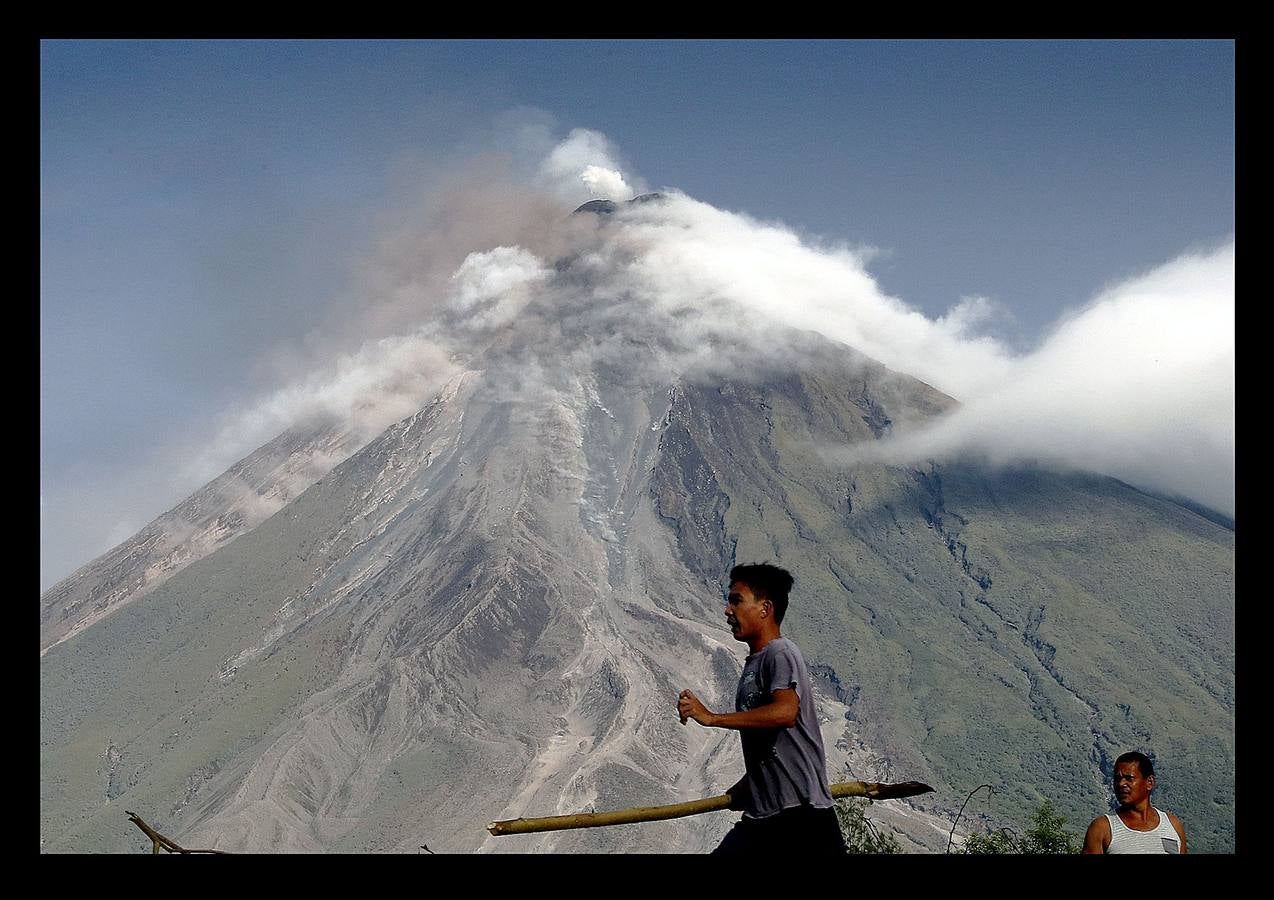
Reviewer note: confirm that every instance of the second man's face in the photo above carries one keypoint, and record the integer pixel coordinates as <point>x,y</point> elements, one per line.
<point>1131,787</point>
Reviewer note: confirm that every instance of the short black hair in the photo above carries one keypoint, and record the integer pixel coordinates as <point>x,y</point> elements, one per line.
<point>1144,765</point>
<point>768,583</point>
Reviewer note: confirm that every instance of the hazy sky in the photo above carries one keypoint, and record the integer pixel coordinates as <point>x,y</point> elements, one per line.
<point>209,209</point>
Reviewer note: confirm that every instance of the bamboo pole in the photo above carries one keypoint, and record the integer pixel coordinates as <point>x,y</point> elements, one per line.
<point>870,789</point>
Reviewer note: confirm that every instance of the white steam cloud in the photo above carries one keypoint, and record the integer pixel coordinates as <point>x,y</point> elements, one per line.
<point>686,257</point>
<point>605,183</point>
<point>585,167</point>
<point>489,289</point>
<point>362,393</point>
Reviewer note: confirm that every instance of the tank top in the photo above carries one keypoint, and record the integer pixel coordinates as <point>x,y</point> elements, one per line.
<point>1163,838</point>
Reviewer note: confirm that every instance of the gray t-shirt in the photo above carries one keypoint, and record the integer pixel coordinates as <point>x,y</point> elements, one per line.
<point>786,767</point>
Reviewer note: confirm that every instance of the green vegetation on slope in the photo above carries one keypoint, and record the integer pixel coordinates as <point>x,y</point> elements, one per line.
<point>1014,627</point>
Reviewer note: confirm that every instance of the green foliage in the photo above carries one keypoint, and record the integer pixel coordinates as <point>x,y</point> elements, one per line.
<point>861,835</point>
<point>1047,835</point>
<point>997,842</point>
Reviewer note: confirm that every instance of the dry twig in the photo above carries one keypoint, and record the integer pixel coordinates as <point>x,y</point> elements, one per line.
<point>951,837</point>
<point>158,840</point>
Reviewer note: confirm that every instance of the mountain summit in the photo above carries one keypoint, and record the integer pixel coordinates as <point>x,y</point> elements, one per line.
<point>605,207</point>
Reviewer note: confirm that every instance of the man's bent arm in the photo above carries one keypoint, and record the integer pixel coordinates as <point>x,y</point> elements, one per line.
<point>1180,829</point>
<point>780,712</point>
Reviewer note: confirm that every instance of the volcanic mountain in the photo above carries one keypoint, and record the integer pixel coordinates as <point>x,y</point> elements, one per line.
<point>487,611</point>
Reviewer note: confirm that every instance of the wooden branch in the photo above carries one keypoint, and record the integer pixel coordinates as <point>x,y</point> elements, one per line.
<point>692,808</point>
<point>158,840</point>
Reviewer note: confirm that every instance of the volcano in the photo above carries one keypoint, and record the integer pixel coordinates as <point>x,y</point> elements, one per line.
<point>487,611</point>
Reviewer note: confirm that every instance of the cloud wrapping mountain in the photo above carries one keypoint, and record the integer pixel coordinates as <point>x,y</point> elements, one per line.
<point>1137,384</point>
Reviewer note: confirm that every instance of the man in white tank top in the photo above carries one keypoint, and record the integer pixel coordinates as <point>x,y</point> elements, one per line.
<point>1137,826</point>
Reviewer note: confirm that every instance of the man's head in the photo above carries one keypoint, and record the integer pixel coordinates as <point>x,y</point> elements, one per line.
<point>1134,778</point>
<point>767,584</point>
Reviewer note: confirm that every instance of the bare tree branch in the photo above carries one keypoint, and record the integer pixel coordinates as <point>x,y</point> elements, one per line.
<point>158,840</point>
<point>951,837</point>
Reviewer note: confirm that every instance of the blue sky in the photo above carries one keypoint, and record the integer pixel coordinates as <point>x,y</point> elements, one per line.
<point>204,203</point>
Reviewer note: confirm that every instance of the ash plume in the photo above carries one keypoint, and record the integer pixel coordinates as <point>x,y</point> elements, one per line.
<point>488,268</point>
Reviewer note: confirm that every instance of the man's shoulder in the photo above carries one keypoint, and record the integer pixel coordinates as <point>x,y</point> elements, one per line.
<point>1098,836</point>
<point>784,648</point>
<point>782,645</point>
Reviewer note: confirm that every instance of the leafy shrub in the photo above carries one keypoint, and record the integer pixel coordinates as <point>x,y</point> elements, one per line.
<point>1047,835</point>
<point>861,835</point>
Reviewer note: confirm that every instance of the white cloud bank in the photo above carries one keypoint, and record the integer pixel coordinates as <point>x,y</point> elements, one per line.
<point>1139,385</point>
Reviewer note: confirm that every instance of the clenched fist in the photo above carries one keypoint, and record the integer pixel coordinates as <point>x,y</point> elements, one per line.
<point>689,707</point>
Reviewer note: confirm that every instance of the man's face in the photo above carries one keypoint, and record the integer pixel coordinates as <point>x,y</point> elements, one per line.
<point>1131,787</point>
<point>744,612</point>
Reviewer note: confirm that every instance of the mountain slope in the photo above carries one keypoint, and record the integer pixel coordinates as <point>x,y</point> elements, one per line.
<point>1019,628</point>
<point>485,611</point>
<point>235,502</point>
